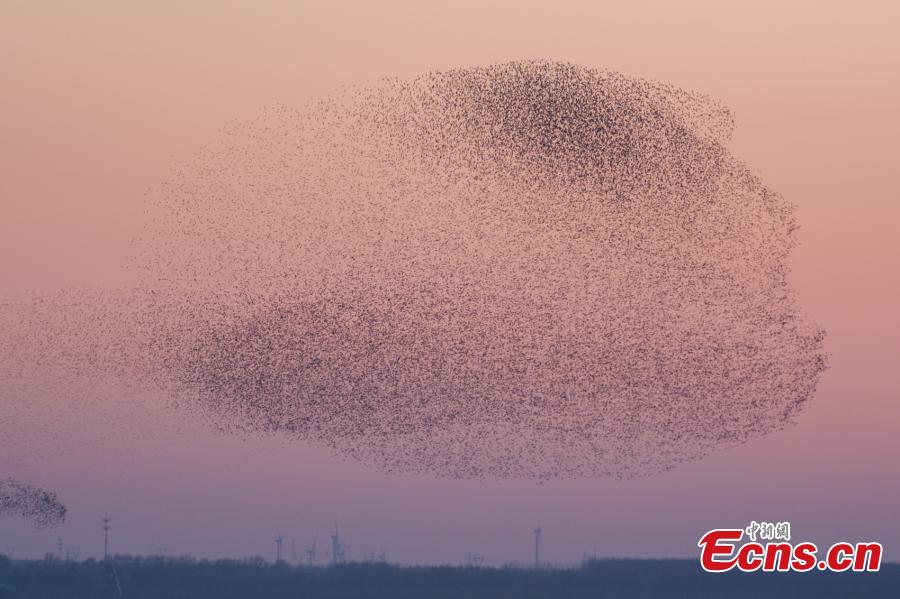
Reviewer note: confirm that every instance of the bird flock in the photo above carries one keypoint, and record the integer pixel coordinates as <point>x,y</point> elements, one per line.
<point>526,270</point>
<point>39,507</point>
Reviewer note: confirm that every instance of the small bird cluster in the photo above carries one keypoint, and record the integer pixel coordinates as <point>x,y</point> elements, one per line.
<point>39,507</point>
<point>528,270</point>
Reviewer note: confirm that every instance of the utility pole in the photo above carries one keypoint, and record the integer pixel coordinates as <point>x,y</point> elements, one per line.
<point>537,545</point>
<point>335,546</point>
<point>109,568</point>
<point>106,528</point>
<point>311,553</point>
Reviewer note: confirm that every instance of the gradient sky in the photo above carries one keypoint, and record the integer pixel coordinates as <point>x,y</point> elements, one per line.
<point>98,101</point>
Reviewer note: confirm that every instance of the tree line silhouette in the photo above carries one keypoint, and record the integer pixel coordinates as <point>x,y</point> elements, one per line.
<point>183,578</point>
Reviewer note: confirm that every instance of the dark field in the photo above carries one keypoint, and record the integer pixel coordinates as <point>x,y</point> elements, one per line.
<point>186,578</point>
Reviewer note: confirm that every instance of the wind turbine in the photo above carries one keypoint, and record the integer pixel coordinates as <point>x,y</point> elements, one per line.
<point>278,541</point>
<point>337,552</point>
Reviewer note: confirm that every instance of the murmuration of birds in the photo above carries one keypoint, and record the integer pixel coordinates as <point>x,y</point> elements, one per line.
<point>41,508</point>
<point>526,270</point>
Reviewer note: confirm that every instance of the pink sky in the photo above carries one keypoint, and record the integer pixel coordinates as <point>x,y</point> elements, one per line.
<point>100,100</point>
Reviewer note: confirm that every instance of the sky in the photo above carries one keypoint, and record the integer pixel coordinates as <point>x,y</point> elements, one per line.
<point>100,100</point>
